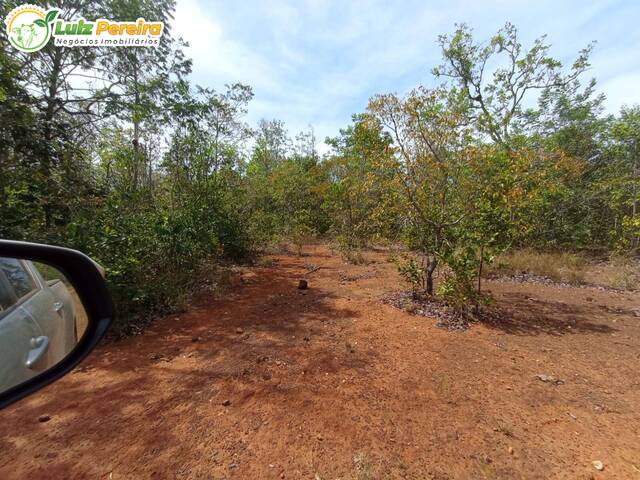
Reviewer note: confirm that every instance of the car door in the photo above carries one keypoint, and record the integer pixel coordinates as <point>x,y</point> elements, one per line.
<point>21,339</point>
<point>45,309</point>
<point>55,298</point>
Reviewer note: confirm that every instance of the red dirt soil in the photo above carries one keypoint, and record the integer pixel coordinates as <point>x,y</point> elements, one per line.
<point>331,383</point>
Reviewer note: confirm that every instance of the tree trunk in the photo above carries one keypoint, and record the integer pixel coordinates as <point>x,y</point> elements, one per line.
<point>480,269</point>
<point>431,266</point>
<point>47,158</point>
<point>135,119</point>
<point>635,241</point>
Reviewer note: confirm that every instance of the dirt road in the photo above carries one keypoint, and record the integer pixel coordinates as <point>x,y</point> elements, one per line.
<point>274,382</point>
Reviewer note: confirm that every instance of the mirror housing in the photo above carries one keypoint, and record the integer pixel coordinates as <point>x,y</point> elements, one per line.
<point>87,278</point>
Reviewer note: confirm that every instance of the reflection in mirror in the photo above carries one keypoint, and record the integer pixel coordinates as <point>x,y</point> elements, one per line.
<point>41,319</point>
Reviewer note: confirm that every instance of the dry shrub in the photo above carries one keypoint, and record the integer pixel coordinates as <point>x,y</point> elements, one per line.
<point>354,256</point>
<point>265,262</point>
<point>349,253</point>
<point>278,246</point>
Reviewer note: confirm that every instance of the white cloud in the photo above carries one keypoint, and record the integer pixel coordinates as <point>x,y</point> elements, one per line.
<point>622,90</point>
<point>318,61</point>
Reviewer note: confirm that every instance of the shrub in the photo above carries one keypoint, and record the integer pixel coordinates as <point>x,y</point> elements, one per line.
<point>412,273</point>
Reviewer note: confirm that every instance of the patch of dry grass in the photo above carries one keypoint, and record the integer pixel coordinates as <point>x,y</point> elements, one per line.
<point>559,267</point>
<point>363,469</point>
<point>620,273</point>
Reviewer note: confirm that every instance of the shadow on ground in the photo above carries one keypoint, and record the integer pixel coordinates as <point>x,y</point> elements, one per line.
<point>518,314</point>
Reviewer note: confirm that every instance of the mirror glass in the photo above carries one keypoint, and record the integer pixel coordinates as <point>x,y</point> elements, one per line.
<point>41,319</point>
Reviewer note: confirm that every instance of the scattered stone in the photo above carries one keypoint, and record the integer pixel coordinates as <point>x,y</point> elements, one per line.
<point>233,465</point>
<point>239,330</point>
<point>549,379</point>
<point>311,267</point>
<point>598,465</point>
<point>266,376</point>
<point>303,285</point>
<point>510,450</point>
<point>44,418</point>
<point>195,339</point>
<point>350,348</point>
<point>306,339</point>
<point>226,403</point>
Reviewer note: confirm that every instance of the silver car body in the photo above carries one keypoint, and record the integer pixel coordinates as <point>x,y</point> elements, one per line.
<point>37,322</point>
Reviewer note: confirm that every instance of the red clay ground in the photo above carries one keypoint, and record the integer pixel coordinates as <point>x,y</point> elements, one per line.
<point>331,383</point>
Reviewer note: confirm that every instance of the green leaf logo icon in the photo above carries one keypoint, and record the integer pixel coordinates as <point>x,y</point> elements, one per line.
<point>51,15</point>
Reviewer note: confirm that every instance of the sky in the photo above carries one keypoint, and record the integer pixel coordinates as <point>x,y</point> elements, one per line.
<point>317,62</point>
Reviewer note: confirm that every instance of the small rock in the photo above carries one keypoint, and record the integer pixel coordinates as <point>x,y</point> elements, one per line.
<point>589,299</point>
<point>303,285</point>
<point>44,418</point>
<point>195,339</point>
<point>510,450</point>
<point>549,379</point>
<point>226,403</point>
<point>598,465</point>
<point>306,339</point>
<point>233,465</point>
<point>239,330</point>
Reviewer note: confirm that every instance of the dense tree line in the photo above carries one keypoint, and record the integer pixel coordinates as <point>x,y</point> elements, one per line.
<point>116,153</point>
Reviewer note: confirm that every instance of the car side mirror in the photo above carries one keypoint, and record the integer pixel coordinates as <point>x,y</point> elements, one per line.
<point>54,309</point>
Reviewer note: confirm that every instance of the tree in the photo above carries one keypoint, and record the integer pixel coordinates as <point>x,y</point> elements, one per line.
<point>61,117</point>
<point>359,201</point>
<point>141,81</point>
<point>497,98</point>
<point>625,182</point>
<point>272,145</point>
<point>429,134</point>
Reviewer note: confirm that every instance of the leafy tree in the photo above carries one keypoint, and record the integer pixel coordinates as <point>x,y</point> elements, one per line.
<point>141,81</point>
<point>361,205</point>
<point>497,98</point>
<point>428,129</point>
<point>624,183</point>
